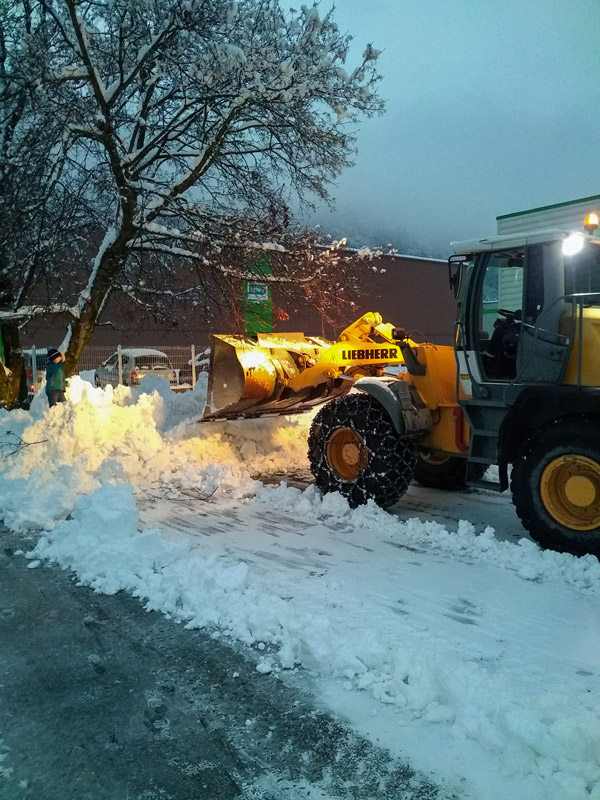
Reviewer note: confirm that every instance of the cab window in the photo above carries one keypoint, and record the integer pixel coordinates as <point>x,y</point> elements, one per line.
<point>582,274</point>
<point>500,311</point>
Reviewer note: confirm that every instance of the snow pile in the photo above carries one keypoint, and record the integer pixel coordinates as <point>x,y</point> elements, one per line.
<point>330,629</point>
<point>142,436</point>
<point>465,543</point>
<point>389,610</point>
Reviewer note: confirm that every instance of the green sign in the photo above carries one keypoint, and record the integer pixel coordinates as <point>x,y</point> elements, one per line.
<point>258,301</point>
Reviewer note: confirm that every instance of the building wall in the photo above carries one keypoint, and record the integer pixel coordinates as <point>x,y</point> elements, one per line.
<point>407,291</point>
<point>562,216</point>
<point>412,293</point>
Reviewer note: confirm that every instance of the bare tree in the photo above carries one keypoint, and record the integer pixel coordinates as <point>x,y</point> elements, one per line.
<point>190,127</point>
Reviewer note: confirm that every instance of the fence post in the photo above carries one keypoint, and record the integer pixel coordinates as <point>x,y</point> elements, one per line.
<point>193,366</point>
<point>34,369</point>
<point>120,362</point>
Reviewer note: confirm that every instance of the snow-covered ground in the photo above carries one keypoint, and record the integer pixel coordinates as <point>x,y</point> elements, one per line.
<point>438,629</point>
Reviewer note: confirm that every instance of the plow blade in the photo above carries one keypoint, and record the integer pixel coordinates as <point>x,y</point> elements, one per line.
<point>249,378</point>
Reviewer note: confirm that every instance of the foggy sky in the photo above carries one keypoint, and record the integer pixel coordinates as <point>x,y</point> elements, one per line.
<point>492,107</point>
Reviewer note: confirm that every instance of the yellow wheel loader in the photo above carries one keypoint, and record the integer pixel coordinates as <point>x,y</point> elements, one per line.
<point>519,389</point>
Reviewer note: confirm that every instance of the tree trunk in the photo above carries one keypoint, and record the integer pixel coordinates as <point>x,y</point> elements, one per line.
<point>81,332</point>
<point>110,265</point>
<point>13,386</point>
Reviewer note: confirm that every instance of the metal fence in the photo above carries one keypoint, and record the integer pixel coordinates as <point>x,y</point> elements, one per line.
<point>186,361</point>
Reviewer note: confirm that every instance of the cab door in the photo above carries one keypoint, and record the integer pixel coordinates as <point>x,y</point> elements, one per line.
<point>543,351</point>
<point>516,304</point>
<point>496,308</point>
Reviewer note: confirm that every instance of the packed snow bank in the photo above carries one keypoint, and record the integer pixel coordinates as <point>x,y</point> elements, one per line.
<point>465,543</point>
<point>525,716</point>
<point>388,610</point>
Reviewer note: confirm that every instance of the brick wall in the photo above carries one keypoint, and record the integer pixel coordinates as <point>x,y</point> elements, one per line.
<point>407,291</point>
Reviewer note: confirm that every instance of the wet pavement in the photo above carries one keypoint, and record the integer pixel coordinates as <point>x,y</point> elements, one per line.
<point>100,700</point>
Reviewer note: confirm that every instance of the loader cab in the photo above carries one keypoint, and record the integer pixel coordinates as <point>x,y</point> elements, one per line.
<point>527,334</point>
<point>513,301</point>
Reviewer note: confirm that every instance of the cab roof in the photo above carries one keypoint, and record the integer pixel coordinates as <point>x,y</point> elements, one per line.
<point>508,240</point>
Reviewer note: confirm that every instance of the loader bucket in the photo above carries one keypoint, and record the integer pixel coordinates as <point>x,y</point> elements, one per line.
<point>250,378</point>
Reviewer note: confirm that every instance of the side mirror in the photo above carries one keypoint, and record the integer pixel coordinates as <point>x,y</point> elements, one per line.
<point>455,272</point>
<point>455,282</point>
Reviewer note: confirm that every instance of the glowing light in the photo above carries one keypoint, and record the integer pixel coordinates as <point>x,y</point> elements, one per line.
<point>573,244</point>
<point>591,222</point>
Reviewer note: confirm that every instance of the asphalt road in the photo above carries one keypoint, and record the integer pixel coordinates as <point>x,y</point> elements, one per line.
<point>100,700</point>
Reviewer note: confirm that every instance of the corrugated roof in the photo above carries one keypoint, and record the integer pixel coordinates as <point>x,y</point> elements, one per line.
<point>593,198</point>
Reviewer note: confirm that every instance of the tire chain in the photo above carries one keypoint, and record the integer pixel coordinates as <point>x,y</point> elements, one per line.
<point>391,459</point>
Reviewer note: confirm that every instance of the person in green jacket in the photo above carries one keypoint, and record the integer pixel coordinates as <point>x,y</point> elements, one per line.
<point>56,381</point>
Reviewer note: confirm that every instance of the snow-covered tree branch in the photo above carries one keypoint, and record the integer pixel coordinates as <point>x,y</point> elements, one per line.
<point>182,129</point>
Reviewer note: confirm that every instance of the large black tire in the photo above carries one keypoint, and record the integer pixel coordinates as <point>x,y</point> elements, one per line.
<point>354,449</point>
<point>555,485</point>
<point>446,472</point>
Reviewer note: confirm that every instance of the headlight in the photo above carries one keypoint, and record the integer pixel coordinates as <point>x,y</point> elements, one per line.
<point>573,244</point>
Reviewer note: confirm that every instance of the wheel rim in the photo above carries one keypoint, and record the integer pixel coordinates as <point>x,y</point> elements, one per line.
<point>347,453</point>
<point>570,491</point>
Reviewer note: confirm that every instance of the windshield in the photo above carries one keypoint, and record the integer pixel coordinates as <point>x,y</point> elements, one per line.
<point>582,273</point>
<point>152,362</point>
